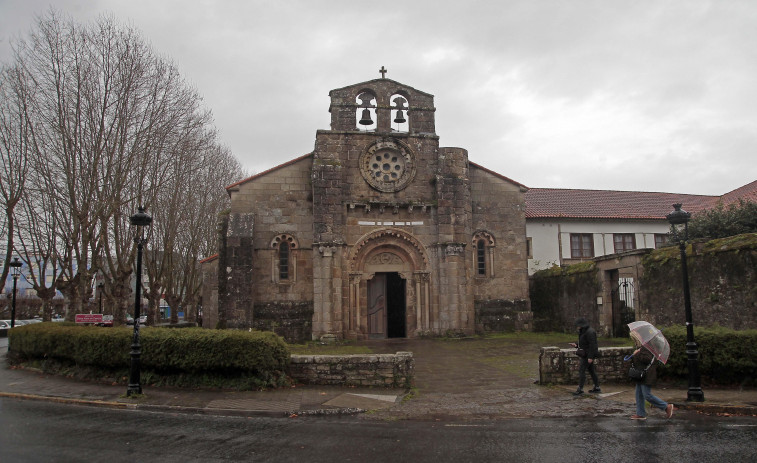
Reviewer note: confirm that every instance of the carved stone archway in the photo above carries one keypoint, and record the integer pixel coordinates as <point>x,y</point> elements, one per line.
<point>383,252</point>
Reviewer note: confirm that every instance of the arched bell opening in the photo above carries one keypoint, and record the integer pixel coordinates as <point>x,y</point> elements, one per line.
<point>400,113</point>
<point>365,115</point>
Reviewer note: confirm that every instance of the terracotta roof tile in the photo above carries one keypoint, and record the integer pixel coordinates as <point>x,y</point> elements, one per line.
<point>609,204</point>
<point>747,192</point>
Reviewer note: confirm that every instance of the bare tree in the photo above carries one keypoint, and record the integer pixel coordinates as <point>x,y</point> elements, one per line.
<point>15,147</point>
<point>112,127</point>
<point>194,236</point>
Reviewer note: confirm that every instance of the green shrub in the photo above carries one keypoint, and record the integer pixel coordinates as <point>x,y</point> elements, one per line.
<point>179,357</point>
<point>723,221</point>
<point>726,357</point>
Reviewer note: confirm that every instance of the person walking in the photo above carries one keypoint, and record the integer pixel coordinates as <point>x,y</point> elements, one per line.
<point>587,342</point>
<point>644,359</point>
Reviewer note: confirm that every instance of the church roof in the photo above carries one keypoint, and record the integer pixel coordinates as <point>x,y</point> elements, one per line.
<point>634,205</point>
<point>249,179</point>
<point>380,80</point>
<point>497,174</point>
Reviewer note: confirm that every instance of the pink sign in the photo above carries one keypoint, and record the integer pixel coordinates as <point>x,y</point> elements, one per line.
<point>89,318</point>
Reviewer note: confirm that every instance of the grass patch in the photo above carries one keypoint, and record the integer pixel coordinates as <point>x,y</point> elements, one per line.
<point>338,348</point>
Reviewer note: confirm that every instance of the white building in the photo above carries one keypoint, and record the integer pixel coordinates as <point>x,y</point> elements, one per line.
<point>564,226</point>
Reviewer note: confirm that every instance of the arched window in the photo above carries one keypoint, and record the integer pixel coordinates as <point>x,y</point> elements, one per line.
<point>284,262</point>
<point>483,258</point>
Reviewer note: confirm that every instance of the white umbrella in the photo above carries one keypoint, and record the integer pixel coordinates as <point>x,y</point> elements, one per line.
<point>652,339</point>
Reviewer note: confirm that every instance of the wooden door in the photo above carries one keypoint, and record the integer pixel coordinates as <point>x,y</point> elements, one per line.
<point>377,306</point>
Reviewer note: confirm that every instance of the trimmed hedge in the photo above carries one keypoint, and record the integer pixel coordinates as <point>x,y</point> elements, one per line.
<point>208,356</point>
<point>726,357</point>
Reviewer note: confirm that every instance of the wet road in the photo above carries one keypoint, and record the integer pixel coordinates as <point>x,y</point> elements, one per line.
<point>39,431</point>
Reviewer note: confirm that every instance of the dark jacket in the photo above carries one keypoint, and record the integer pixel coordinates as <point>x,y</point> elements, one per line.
<point>587,340</point>
<point>641,361</point>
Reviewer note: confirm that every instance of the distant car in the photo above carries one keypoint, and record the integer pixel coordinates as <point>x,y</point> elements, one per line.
<point>130,319</point>
<point>5,324</point>
<point>33,320</point>
<point>107,321</point>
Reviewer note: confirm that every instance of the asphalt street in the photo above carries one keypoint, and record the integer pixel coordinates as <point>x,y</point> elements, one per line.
<point>34,431</point>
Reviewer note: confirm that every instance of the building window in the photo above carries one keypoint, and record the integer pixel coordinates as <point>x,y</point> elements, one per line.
<point>624,242</point>
<point>581,245</point>
<point>483,245</point>
<point>481,257</point>
<point>284,261</point>
<point>529,248</point>
<point>283,264</point>
<point>660,240</point>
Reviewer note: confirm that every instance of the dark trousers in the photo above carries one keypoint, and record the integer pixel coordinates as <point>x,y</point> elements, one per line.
<point>582,373</point>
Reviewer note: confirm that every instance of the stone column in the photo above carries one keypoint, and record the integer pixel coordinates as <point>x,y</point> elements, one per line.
<point>454,215</point>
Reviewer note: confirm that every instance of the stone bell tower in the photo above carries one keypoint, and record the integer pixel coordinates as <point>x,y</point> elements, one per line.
<point>392,217</point>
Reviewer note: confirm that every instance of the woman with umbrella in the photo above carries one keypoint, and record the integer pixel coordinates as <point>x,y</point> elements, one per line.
<point>651,345</point>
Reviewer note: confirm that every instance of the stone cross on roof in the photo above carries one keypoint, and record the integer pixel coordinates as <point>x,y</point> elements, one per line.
<point>383,72</point>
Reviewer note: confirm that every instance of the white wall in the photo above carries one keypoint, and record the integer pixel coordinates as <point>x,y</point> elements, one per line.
<point>550,240</point>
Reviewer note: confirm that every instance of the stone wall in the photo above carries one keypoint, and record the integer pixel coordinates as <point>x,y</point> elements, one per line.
<point>291,320</point>
<point>209,268</point>
<point>560,366</point>
<point>723,284</point>
<point>502,315</point>
<point>235,263</point>
<point>499,209</point>
<point>722,280</point>
<point>384,370</point>
<point>560,295</point>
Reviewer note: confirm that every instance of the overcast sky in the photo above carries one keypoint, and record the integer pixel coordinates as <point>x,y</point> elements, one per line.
<point>645,95</point>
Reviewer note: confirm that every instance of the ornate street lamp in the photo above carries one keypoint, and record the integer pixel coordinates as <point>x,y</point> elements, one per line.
<point>681,217</point>
<point>15,271</point>
<point>139,220</point>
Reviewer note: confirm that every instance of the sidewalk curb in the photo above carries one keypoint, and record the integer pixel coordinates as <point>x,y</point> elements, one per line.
<point>67,400</point>
<point>182,409</point>
<point>717,409</point>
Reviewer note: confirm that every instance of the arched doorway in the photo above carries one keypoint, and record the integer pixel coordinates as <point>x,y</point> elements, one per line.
<point>389,286</point>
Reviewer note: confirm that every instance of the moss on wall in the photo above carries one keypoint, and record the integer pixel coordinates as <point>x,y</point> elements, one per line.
<point>559,295</point>
<point>722,282</point>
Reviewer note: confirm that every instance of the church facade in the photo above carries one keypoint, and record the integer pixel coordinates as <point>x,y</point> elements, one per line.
<point>378,233</point>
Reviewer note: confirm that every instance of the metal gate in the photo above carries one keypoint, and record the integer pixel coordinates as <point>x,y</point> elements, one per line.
<point>623,312</point>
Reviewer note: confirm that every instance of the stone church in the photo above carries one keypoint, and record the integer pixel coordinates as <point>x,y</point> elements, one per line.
<point>378,233</point>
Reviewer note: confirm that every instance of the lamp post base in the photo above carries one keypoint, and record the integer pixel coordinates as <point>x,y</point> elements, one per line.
<point>695,394</point>
<point>135,386</point>
<point>133,389</point>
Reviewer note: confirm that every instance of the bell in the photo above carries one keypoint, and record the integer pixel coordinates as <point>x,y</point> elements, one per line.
<point>366,119</point>
<point>400,119</point>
